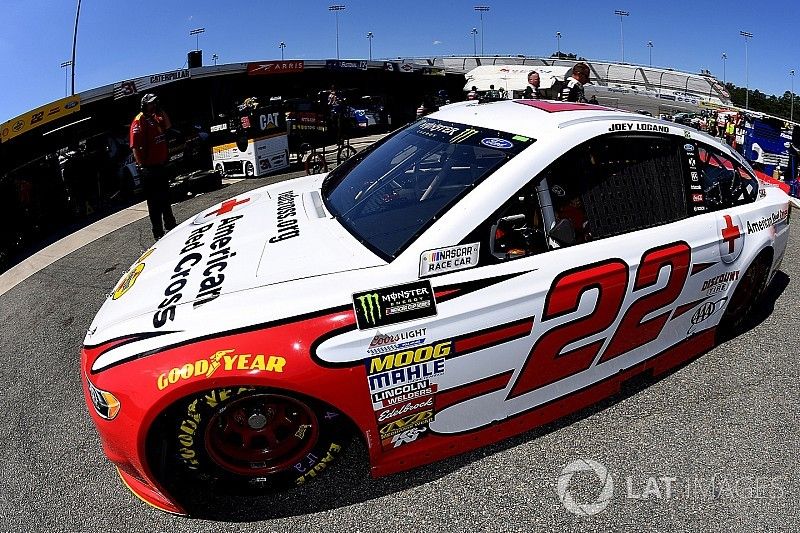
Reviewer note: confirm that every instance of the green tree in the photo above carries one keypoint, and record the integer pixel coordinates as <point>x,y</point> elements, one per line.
<point>779,106</point>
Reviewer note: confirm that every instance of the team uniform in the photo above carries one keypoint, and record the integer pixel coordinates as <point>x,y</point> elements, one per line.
<point>573,92</point>
<point>148,135</point>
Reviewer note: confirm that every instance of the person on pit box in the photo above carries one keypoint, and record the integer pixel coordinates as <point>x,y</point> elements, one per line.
<point>573,91</point>
<point>148,140</point>
<point>532,90</point>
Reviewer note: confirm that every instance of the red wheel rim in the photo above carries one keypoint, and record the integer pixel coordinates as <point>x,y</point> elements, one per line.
<point>261,434</point>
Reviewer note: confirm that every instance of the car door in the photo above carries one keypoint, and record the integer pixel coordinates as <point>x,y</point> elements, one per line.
<point>597,295</point>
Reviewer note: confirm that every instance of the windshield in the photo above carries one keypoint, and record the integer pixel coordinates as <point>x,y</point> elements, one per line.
<point>390,194</point>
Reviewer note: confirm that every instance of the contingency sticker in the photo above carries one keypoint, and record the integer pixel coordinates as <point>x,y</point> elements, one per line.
<point>448,259</point>
<point>390,305</point>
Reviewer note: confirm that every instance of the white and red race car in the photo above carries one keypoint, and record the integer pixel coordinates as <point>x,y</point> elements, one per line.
<point>485,270</point>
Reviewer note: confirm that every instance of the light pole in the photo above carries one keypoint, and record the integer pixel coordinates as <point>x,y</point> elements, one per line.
<point>66,64</point>
<point>196,32</point>
<point>558,43</point>
<point>214,59</point>
<point>791,109</point>
<point>336,8</point>
<point>621,32</point>
<point>650,47</point>
<point>369,37</point>
<point>747,35</point>
<point>474,33</point>
<point>74,42</point>
<point>282,46</point>
<point>724,61</point>
<point>482,10</point>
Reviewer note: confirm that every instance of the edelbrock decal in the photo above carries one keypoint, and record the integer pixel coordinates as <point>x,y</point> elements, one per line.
<point>448,259</point>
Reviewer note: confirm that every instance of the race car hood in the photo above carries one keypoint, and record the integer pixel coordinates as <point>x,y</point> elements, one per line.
<point>272,235</point>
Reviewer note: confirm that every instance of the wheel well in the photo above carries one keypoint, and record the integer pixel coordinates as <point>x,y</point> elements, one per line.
<point>157,447</point>
<point>766,255</point>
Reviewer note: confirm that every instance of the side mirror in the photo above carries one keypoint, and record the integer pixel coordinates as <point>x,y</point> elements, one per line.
<point>563,232</point>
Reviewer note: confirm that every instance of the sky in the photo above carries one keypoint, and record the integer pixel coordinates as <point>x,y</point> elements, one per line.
<point>121,40</point>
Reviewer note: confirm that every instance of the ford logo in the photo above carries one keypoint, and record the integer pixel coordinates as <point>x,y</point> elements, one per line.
<point>688,147</point>
<point>494,142</point>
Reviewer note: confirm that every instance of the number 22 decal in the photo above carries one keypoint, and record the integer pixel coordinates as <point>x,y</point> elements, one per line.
<point>548,363</point>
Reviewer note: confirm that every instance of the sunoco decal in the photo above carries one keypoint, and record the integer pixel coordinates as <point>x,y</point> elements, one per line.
<point>450,259</point>
<point>390,305</point>
<point>130,278</point>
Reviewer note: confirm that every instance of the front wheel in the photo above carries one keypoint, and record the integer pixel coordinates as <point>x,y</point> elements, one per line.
<point>247,439</point>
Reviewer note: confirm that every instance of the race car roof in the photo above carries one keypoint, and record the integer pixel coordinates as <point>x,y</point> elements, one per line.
<point>526,117</point>
<point>540,118</point>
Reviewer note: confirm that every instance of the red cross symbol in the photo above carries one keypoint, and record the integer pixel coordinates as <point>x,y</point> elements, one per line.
<point>730,233</point>
<point>227,206</point>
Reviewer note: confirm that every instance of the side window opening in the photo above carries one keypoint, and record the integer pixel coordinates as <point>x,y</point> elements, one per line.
<point>514,231</point>
<point>725,184</point>
<point>609,186</point>
<point>636,183</point>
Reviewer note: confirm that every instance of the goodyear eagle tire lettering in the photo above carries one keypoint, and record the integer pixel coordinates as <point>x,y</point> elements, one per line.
<point>213,437</point>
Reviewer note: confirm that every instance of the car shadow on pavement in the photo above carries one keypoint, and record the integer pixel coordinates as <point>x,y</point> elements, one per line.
<point>348,481</point>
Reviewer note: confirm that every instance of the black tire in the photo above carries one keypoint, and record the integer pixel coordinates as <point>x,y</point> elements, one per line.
<point>211,442</point>
<point>316,163</point>
<point>345,152</point>
<point>745,298</point>
<point>249,169</point>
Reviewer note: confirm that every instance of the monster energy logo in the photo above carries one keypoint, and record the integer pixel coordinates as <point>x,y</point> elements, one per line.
<point>369,308</point>
<point>463,136</point>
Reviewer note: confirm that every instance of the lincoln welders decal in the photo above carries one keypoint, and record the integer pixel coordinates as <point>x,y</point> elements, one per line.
<point>390,305</point>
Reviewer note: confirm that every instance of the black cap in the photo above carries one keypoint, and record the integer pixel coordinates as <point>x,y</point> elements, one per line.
<point>149,98</point>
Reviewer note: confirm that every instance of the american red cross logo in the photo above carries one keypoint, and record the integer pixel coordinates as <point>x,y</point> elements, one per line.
<point>730,233</point>
<point>227,206</point>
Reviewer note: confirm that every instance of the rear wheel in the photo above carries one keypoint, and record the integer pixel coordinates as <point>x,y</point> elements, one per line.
<point>745,298</point>
<point>249,439</point>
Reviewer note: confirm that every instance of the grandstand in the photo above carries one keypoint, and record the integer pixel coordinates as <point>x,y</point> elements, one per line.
<point>618,84</point>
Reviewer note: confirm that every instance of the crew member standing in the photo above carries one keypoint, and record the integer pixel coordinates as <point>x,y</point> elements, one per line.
<point>148,138</point>
<point>573,91</point>
<point>532,90</point>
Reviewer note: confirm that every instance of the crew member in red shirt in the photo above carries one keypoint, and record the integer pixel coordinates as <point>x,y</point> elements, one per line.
<point>148,138</point>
